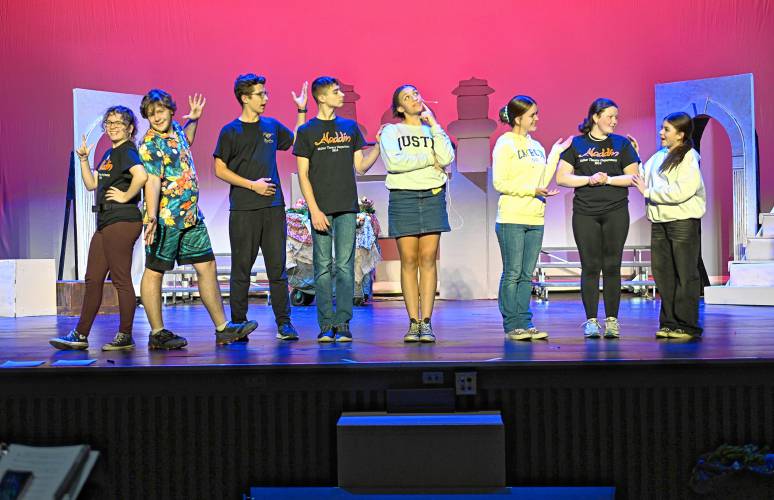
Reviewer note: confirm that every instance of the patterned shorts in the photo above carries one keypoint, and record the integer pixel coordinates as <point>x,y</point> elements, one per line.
<point>186,246</point>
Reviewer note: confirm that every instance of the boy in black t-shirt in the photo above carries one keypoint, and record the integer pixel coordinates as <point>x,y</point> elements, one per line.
<point>246,158</point>
<point>327,147</point>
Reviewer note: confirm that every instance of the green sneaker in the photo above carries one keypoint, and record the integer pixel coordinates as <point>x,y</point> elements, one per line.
<point>612,329</point>
<point>519,334</point>
<point>536,334</point>
<point>663,333</point>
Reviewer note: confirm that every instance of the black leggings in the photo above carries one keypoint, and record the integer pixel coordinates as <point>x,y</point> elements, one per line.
<point>600,240</point>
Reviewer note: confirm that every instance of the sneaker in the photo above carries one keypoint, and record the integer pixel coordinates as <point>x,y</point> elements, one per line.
<point>121,342</point>
<point>426,334</point>
<point>536,334</point>
<point>612,330</point>
<point>591,328</point>
<point>235,331</point>
<point>326,335</point>
<point>519,334</point>
<point>679,333</point>
<point>663,333</point>
<point>165,339</point>
<point>342,333</point>
<point>412,335</point>
<point>73,341</point>
<point>286,331</point>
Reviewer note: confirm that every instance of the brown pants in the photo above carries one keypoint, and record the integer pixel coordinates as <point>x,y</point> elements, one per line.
<point>110,250</point>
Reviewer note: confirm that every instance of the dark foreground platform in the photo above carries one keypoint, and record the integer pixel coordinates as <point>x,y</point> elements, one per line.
<point>210,422</point>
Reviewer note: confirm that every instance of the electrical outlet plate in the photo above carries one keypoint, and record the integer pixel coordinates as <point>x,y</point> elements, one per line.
<point>465,383</point>
<point>432,378</point>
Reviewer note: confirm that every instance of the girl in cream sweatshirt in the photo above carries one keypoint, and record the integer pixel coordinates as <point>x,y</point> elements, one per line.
<point>673,188</point>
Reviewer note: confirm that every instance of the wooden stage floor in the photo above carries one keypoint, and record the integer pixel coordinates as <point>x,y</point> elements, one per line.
<point>469,332</point>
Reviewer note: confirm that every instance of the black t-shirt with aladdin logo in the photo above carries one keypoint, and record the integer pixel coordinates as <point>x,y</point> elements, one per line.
<point>113,171</point>
<point>330,146</point>
<point>588,157</point>
<point>250,151</point>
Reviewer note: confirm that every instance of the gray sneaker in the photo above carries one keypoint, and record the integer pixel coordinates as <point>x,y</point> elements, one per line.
<point>612,330</point>
<point>536,334</point>
<point>519,334</point>
<point>121,342</point>
<point>412,335</point>
<point>591,328</point>
<point>426,334</point>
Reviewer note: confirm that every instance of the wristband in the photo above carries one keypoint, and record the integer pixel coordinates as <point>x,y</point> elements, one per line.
<point>300,110</point>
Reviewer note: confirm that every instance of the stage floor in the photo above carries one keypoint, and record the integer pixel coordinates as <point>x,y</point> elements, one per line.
<point>468,332</point>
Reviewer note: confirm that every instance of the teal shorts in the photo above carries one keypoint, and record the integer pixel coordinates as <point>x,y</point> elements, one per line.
<point>186,246</point>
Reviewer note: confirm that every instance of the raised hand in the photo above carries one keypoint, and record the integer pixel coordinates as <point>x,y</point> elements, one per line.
<point>84,150</point>
<point>635,144</point>
<point>196,104</point>
<point>545,193</point>
<point>150,231</point>
<point>427,116</point>
<point>116,195</point>
<point>320,221</point>
<point>561,145</point>
<point>263,186</point>
<point>301,98</point>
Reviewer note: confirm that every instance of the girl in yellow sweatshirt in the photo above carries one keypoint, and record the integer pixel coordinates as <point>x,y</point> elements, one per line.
<point>521,173</point>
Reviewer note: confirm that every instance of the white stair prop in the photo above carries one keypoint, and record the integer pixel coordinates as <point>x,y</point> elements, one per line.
<point>751,281</point>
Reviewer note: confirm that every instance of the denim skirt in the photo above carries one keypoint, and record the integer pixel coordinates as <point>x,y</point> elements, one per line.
<point>417,212</point>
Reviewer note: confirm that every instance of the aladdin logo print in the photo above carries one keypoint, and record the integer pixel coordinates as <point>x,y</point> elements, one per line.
<point>605,153</point>
<point>268,138</point>
<point>338,138</point>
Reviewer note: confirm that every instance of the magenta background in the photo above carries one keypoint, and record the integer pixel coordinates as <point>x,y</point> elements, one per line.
<point>564,54</point>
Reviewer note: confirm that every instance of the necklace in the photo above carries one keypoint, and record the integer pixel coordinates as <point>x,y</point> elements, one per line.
<point>595,139</point>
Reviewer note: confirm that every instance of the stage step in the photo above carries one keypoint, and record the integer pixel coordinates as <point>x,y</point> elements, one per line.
<point>381,452</point>
<point>767,225</point>
<point>751,273</point>
<point>739,295</point>
<point>760,248</point>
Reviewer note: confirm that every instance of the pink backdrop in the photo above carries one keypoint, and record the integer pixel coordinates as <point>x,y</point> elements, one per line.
<point>564,54</point>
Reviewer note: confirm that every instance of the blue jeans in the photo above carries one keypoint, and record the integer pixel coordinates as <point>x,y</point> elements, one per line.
<point>341,239</point>
<point>519,247</point>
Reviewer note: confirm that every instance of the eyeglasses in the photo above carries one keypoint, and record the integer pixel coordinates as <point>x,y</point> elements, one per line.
<point>262,94</point>
<point>118,124</point>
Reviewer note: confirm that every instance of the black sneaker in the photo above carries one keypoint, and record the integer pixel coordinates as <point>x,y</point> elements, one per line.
<point>286,331</point>
<point>73,341</point>
<point>342,333</point>
<point>325,336</point>
<point>164,339</point>
<point>121,342</point>
<point>235,331</point>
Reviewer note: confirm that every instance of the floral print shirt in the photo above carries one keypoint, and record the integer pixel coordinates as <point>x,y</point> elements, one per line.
<point>168,156</point>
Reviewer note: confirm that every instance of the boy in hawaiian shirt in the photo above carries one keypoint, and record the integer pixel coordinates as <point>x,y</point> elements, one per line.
<point>174,225</point>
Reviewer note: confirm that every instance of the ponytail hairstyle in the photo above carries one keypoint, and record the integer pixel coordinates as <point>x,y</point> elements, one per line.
<point>682,122</point>
<point>516,107</point>
<point>396,100</point>
<point>598,106</point>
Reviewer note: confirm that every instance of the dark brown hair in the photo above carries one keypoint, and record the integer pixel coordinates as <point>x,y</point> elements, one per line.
<point>156,96</point>
<point>599,105</point>
<point>320,84</point>
<point>682,122</point>
<point>127,116</point>
<point>244,85</point>
<point>517,106</point>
